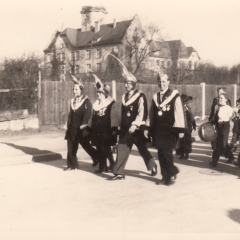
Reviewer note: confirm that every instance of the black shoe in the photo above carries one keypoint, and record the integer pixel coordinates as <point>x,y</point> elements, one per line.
<point>95,163</point>
<point>168,182</point>
<point>212,164</point>
<point>67,169</point>
<point>181,156</point>
<point>154,171</point>
<point>99,171</point>
<point>106,169</point>
<point>230,160</point>
<point>117,177</point>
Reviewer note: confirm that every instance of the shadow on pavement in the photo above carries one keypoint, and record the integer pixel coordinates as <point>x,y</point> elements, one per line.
<point>234,214</point>
<point>200,161</point>
<point>28,150</point>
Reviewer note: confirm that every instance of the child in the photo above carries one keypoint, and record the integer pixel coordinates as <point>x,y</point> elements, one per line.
<point>184,146</point>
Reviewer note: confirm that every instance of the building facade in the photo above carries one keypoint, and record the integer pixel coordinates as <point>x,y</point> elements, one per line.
<point>86,49</point>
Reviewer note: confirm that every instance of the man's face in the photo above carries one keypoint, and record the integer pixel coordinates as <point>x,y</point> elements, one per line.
<point>163,84</point>
<point>76,90</point>
<point>128,86</point>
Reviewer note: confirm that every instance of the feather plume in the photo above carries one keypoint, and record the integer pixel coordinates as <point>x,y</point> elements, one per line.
<point>126,74</point>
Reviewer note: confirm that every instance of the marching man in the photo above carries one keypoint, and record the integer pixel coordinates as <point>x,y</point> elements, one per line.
<point>166,122</point>
<point>133,120</point>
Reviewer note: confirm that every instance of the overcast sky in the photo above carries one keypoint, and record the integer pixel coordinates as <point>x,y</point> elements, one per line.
<point>212,27</point>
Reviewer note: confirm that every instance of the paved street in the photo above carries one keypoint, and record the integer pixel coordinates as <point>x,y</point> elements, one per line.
<point>40,201</point>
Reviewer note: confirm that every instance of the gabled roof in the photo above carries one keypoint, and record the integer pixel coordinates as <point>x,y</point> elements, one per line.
<point>106,35</point>
<point>174,49</point>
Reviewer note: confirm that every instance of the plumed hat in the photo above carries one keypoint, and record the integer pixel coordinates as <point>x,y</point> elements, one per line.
<point>126,74</point>
<point>76,81</point>
<point>100,87</point>
<point>185,98</point>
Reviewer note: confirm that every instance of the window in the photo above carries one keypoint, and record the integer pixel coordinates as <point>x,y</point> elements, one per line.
<point>157,63</point>
<point>62,45</point>
<point>76,70</point>
<point>99,67</point>
<point>71,56</point>
<point>89,67</point>
<point>58,56</point>
<point>88,52</point>
<point>76,55</point>
<point>162,64</point>
<point>62,69</point>
<point>62,57</point>
<point>98,53</point>
<point>190,64</point>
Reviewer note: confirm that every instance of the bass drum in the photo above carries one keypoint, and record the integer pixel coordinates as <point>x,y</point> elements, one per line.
<point>206,132</point>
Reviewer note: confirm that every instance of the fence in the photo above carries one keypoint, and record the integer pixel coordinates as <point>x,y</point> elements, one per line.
<point>54,102</point>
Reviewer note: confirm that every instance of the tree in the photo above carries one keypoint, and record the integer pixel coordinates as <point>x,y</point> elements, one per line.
<point>20,74</point>
<point>137,42</point>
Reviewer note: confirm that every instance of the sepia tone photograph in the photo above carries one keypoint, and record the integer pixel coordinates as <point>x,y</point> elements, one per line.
<point>120,120</point>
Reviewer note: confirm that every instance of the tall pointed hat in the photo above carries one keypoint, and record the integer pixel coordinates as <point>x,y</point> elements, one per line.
<point>100,87</point>
<point>126,74</point>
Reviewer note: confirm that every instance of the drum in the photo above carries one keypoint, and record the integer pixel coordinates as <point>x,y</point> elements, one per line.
<point>206,132</point>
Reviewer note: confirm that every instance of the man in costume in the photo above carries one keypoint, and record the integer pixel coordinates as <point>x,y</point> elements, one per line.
<point>103,125</point>
<point>133,119</point>
<point>79,115</point>
<point>167,121</point>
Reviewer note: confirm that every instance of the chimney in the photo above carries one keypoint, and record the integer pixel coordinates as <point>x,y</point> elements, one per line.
<point>96,26</point>
<point>114,23</point>
<point>86,18</point>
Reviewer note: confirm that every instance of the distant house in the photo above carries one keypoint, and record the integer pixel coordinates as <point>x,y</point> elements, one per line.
<point>172,54</point>
<point>78,50</point>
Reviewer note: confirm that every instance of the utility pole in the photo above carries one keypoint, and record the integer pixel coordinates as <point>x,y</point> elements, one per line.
<point>238,73</point>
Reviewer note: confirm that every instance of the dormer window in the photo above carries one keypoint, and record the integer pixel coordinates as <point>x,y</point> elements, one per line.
<point>62,56</point>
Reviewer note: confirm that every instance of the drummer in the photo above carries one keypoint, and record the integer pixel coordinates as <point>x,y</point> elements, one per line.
<point>222,116</point>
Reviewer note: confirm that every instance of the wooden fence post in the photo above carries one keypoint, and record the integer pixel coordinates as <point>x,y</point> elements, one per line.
<point>203,100</point>
<point>114,91</point>
<point>234,94</point>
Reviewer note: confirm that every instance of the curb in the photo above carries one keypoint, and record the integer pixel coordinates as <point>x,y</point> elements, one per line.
<point>27,159</point>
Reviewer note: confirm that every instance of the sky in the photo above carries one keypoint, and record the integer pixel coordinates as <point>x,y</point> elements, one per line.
<point>212,27</point>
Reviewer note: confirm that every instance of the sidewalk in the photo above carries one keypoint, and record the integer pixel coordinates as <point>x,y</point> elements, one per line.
<point>40,201</point>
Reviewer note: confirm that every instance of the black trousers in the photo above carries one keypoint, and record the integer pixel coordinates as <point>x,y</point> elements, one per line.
<point>222,147</point>
<point>168,169</point>
<point>124,149</point>
<point>85,143</point>
<point>71,154</point>
<point>103,148</point>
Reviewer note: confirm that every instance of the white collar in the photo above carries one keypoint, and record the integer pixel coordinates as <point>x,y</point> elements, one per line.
<point>166,101</point>
<point>78,103</point>
<point>132,99</point>
<point>98,106</point>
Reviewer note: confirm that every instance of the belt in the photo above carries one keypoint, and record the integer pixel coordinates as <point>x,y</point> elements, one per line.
<point>223,122</point>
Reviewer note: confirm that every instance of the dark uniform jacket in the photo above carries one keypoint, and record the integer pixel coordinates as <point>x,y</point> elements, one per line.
<point>79,115</point>
<point>104,121</point>
<point>134,112</point>
<point>166,119</point>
